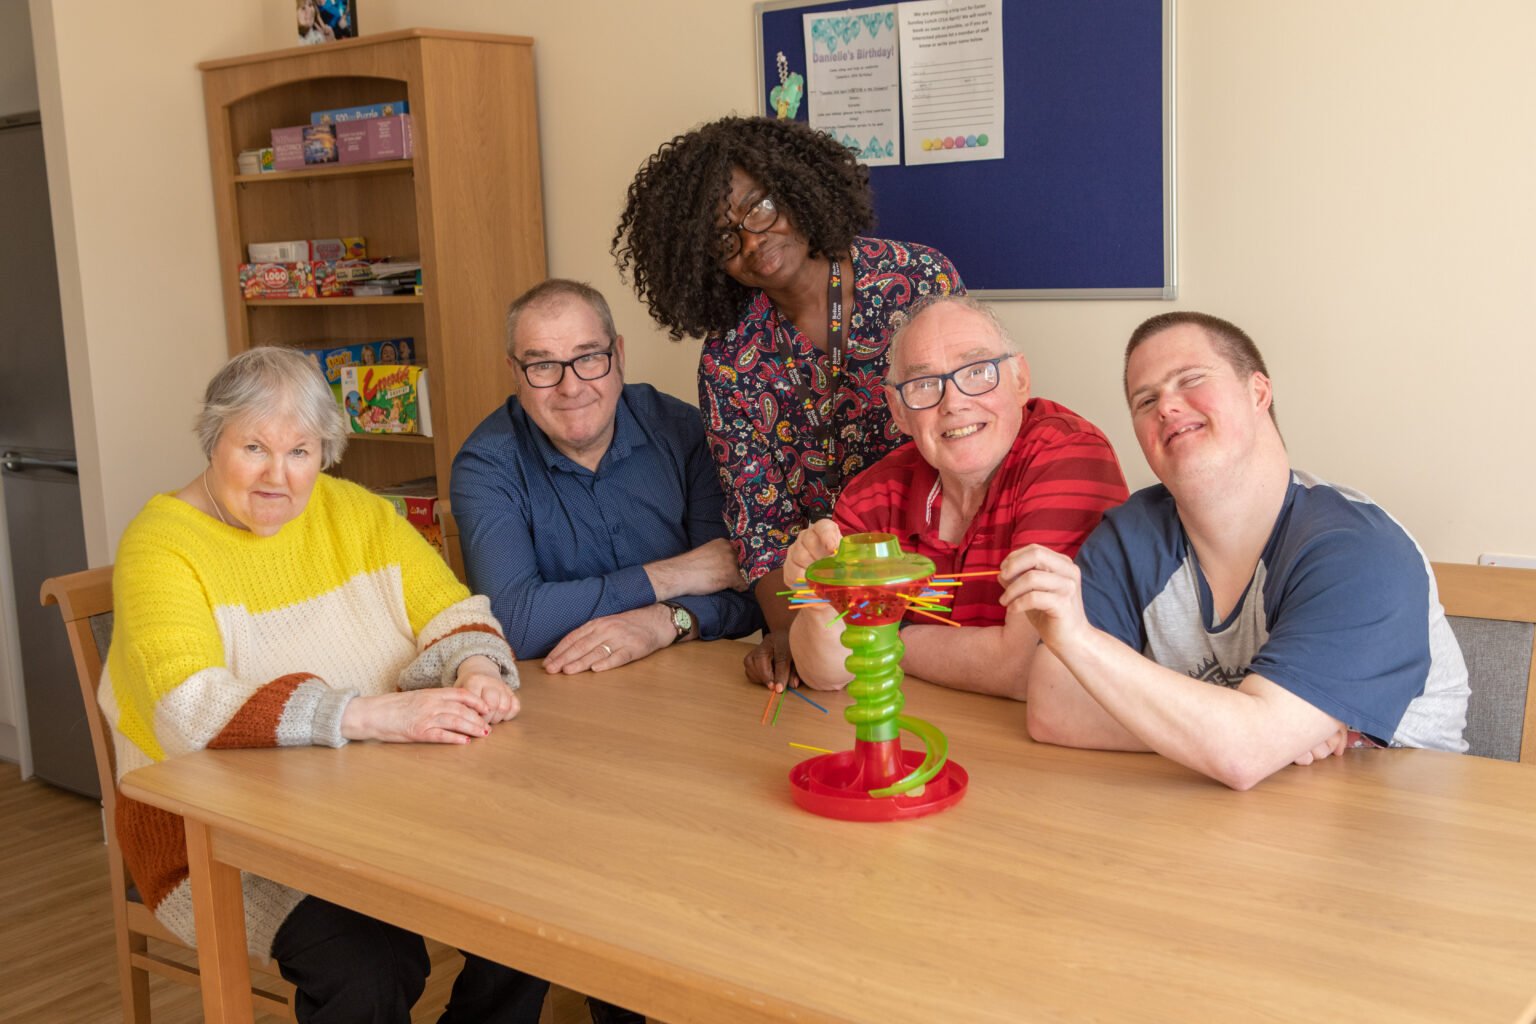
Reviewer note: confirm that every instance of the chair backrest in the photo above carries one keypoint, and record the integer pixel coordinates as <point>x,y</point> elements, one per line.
<point>1492,611</point>
<point>85,602</point>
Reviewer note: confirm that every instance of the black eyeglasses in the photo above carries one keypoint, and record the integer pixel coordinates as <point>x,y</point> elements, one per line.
<point>546,373</point>
<point>763,215</point>
<point>972,379</point>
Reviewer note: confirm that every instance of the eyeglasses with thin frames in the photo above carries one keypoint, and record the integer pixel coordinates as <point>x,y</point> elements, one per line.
<point>763,215</point>
<point>548,373</point>
<point>972,379</point>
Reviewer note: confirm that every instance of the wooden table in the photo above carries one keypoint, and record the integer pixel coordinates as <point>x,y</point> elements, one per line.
<point>632,836</point>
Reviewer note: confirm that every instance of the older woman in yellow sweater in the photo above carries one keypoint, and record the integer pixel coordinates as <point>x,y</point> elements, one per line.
<point>268,604</point>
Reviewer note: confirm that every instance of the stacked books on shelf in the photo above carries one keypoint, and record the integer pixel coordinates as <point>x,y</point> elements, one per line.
<point>323,268</point>
<point>380,277</point>
<point>350,135</point>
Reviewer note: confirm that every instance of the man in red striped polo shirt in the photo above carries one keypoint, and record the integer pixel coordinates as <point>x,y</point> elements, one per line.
<point>989,469</point>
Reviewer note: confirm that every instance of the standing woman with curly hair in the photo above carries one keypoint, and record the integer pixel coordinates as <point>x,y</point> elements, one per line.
<point>747,231</point>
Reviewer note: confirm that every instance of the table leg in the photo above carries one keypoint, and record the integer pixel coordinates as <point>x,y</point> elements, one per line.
<point>218,909</point>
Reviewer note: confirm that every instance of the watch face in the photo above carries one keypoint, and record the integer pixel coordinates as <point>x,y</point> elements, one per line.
<point>682,619</point>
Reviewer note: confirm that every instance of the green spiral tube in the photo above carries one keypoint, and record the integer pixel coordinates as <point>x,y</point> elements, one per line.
<point>875,662</point>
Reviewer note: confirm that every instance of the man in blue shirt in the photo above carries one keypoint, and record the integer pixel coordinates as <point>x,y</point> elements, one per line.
<point>1241,616</point>
<point>589,510</point>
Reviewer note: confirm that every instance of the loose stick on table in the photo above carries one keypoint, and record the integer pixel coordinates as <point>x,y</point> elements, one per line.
<point>808,700</point>
<point>773,696</point>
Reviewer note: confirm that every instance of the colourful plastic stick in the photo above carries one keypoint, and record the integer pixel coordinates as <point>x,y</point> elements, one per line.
<point>927,606</point>
<point>807,746</point>
<point>773,696</point>
<point>936,618</point>
<point>776,709</point>
<point>808,700</point>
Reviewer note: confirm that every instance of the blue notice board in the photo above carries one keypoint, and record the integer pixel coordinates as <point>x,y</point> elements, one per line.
<point>1083,205</point>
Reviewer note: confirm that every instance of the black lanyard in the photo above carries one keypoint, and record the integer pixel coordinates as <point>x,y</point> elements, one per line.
<point>826,429</point>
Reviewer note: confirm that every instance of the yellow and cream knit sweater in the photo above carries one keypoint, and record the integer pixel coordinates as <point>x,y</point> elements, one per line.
<point>222,638</point>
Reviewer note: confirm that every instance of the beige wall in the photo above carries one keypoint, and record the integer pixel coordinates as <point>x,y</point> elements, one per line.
<point>133,224</point>
<point>1355,189</point>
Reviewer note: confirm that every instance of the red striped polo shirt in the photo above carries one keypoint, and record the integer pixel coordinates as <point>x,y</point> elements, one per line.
<point>1052,489</point>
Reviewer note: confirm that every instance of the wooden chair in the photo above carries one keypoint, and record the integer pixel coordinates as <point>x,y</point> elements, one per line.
<point>85,601</point>
<point>1492,611</point>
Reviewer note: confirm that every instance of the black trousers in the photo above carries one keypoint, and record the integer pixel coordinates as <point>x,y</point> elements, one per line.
<point>351,969</point>
<point>607,1013</point>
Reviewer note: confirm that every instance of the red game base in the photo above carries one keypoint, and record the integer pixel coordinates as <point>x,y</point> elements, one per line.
<point>834,785</point>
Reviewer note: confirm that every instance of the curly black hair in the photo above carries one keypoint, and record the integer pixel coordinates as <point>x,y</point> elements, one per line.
<point>668,232</point>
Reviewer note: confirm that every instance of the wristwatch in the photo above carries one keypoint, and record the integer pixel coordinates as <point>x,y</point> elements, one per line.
<point>682,620</point>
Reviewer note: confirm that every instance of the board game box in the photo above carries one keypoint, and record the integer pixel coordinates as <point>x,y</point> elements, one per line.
<point>300,279</point>
<point>386,399</point>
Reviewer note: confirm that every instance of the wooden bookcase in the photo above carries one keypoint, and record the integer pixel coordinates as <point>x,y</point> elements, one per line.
<point>469,205</point>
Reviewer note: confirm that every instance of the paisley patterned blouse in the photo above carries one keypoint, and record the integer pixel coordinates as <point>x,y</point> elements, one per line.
<point>760,434</point>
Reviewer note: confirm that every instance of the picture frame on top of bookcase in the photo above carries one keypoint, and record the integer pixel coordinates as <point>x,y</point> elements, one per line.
<point>468,205</point>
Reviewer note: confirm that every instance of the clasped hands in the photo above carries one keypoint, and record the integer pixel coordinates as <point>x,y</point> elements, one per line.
<point>478,700</point>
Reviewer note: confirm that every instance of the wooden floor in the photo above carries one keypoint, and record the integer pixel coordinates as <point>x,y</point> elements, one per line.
<point>56,957</point>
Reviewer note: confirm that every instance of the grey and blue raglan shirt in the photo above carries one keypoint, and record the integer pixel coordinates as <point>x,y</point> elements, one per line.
<point>1342,611</point>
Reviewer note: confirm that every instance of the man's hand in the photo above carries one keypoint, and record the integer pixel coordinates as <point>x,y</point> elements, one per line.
<point>707,569</point>
<point>1046,586</point>
<point>770,664</point>
<point>815,542</point>
<point>1334,744</point>
<point>614,640</point>
<point>480,676</point>
<point>436,715</point>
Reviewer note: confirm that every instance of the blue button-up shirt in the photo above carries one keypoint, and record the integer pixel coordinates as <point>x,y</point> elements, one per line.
<point>555,545</point>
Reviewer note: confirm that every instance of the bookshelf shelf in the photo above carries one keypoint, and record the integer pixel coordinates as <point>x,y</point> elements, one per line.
<point>348,300</point>
<point>415,439</point>
<point>328,171</point>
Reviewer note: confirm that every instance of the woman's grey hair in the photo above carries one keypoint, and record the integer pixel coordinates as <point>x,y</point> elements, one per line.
<point>268,382</point>
<point>903,321</point>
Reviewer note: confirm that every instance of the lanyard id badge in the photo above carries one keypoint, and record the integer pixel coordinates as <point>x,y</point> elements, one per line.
<point>825,428</point>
